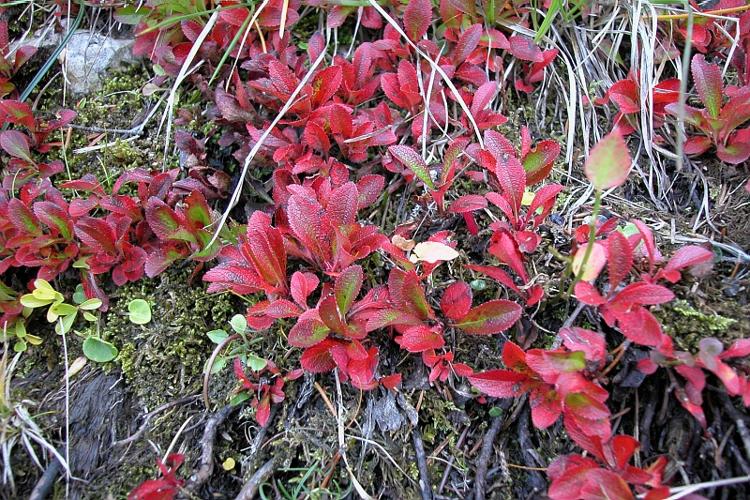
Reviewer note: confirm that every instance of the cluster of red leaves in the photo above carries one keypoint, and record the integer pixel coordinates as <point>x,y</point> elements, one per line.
<point>608,474</point>
<point>724,111</point>
<point>166,487</point>
<point>719,121</point>
<point>10,63</point>
<point>265,387</point>
<point>127,236</point>
<point>626,95</point>
<point>22,166</point>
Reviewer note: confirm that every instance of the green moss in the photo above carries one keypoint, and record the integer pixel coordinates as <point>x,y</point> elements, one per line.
<point>687,325</point>
<point>164,359</point>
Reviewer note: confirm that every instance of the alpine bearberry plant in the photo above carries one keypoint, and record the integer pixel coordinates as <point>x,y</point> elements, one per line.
<point>390,171</point>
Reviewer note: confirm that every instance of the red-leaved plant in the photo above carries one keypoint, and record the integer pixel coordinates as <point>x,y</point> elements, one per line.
<point>724,112</point>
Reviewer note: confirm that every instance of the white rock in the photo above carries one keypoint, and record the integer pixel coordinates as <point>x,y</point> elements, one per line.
<point>88,56</point>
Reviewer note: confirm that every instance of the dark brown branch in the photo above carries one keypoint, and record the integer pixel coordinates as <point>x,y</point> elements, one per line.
<point>484,458</point>
<point>206,467</point>
<point>425,487</point>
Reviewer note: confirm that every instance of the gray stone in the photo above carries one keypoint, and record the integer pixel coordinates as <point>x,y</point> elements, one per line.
<point>88,56</point>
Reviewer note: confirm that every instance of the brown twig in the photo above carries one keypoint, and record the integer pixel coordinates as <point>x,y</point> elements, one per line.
<point>425,488</point>
<point>484,458</point>
<point>250,488</point>
<point>452,459</point>
<point>206,467</point>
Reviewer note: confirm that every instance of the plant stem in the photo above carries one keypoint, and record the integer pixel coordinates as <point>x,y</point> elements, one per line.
<point>592,237</point>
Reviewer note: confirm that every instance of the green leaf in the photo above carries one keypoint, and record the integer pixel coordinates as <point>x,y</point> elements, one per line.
<point>139,311</point>
<point>79,296</point>
<point>29,300</point>
<point>88,316</point>
<point>239,323</point>
<point>44,291</point>
<point>63,309</point>
<point>19,346</point>
<point>99,350</point>
<point>65,323</point>
<point>91,304</point>
<point>609,162</point>
<point>219,364</point>
<point>491,317</point>
<point>347,287</point>
<point>239,398</point>
<point>33,339</point>
<point>131,14</point>
<point>256,363</point>
<point>217,336</point>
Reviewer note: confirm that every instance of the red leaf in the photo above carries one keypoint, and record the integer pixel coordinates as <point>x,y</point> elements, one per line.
<point>468,203</point>
<point>456,300</point>
<point>624,93</point>
<point>391,381</point>
<point>347,287</point>
<point>688,256</point>
<point>23,218</point>
<point>640,326</point>
<point>325,85</point>
<point>369,188</point>
<point>499,383</point>
<point>318,359</point>
<point>550,364</point>
<point>504,248</point>
<point>390,317</point>
<point>642,293</point>
<point>329,314</point>
<point>497,274</point>
<point>620,258</point>
<point>302,285</point>
<point>97,234</point>
<point>420,338</point>
<point>417,18</point>
<point>525,49</point>
<point>341,209</point>
<point>591,343</point>
<point>588,294</point>
<point>468,41</point>
<point>482,97</point>
<point>609,162</point>
<point>55,217</point>
<point>490,318</point>
<point>165,222</point>
<point>512,177</point>
<point>545,407</point>
<point>16,144</point>
<point>304,216</point>
<point>407,294</point>
<point>282,77</point>
<point>739,349</point>
<point>708,83</point>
